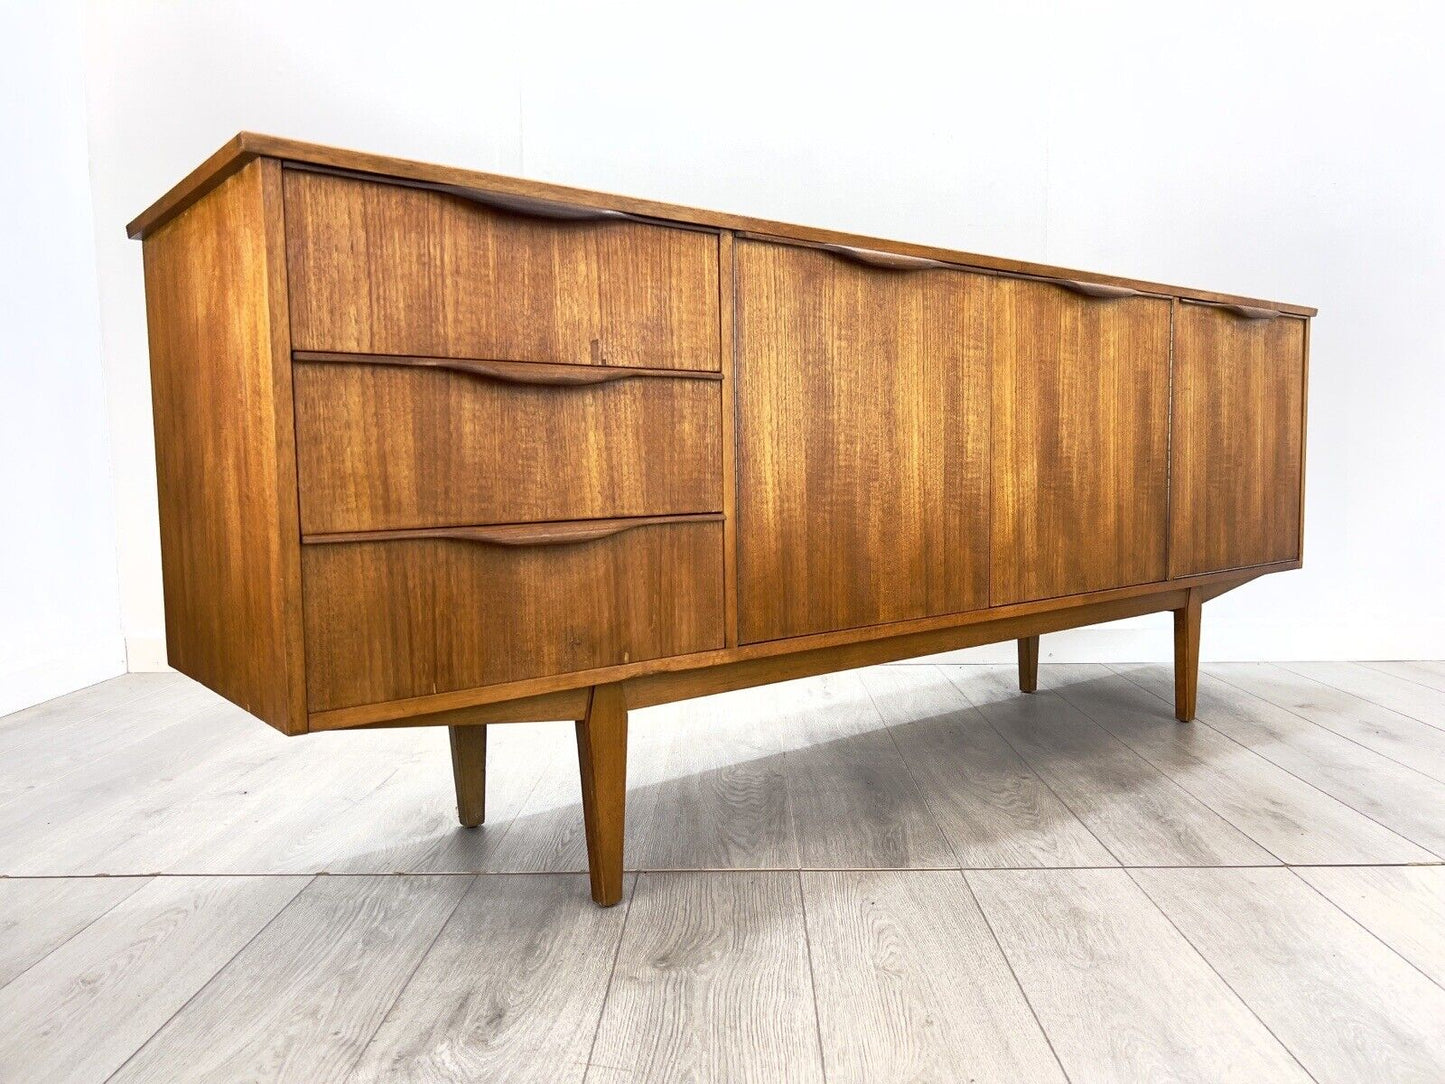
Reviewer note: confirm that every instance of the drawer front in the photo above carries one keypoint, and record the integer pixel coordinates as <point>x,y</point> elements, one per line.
<point>379,268</point>
<point>395,617</point>
<point>382,447</point>
<point>1238,447</point>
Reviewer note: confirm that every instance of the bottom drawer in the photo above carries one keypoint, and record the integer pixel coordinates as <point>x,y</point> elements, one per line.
<point>414,613</point>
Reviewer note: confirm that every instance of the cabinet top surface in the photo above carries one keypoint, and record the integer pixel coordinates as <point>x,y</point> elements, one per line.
<point>247,146</point>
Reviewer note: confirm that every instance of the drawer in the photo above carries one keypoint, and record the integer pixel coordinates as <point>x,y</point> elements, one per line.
<point>380,268</point>
<point>386,446</point>
<point>390,617</point>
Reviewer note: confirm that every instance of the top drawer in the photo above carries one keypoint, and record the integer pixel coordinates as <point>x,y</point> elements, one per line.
<point>378,268</point>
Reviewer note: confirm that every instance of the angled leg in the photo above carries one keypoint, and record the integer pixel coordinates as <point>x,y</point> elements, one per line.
<point>602,758</point>
<point>469,770</point>
<point>1186,655</point>
<point>1028,664</point>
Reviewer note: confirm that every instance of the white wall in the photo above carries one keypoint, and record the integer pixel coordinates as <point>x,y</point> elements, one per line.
<point>1283,151</point>
<point>59,611</point>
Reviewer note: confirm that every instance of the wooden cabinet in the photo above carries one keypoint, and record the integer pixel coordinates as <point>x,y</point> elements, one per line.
<point>1080,441</point>
<point>863,441</point>
<point>1238,456</point>
<point>441,447</point>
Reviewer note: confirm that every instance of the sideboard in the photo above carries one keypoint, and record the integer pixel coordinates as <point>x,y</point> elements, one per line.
<point>449,448</point>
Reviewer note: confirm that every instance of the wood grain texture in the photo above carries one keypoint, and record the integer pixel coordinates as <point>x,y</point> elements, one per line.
<point>1237,442</point>
<point>993,808</point>
<point>81,1012</point>
<point>469,772</point>
<point>888,952</point>
<point>302,999</point>
<point>225,459</point>
<point>1416,689</point>
<point>1080,441</point>
<point>712,982</point>
<point>1403,739</point>
<point>602,764</point>
<point>1121,995</point>
<point>1140,814</point>
<point>1345,1005</point>
<point>1404,906</point>
<point>247,146</point>
<point>510,992</point>
<point>389,620</point>
<point>1294,821</point>
<point>39,915</point>
<point>862,442</point>
<point>1401,799</point>
<point>385,269</point>
<point>382,447</point>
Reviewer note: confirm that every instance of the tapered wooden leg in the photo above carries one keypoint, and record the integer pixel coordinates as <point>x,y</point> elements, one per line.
<point>469,770</point>
<point>1028,664</point>
<point>602,758</point>
<point>1186,655</point>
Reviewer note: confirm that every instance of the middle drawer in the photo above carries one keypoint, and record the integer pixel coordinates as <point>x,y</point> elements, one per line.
<point>410,443</point>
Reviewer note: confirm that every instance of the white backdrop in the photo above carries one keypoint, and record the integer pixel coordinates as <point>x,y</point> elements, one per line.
<point>1286,151</point>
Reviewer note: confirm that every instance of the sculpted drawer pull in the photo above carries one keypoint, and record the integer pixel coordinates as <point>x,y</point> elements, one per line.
<point>1101,291</point>
<point>889,261</point>
<point>542,373</point>
<point>1250,312</point>
<point>535,208</point>
<point>517,534</point>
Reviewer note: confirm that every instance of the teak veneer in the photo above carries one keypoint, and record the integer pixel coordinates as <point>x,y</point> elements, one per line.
<point>437,447</point>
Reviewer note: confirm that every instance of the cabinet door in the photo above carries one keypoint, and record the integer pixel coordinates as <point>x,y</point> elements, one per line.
<point>862,442</point>
<point>1080,441</point>
<point>1238,451</point>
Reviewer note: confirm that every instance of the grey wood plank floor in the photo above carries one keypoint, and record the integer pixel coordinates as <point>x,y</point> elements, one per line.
<point>910,872</point>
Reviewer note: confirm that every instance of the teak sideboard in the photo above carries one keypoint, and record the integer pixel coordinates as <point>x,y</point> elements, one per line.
<point>444,447</point>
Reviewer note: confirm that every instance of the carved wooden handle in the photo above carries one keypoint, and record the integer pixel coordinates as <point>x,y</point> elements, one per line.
<point>533,207</point>
<point>1102,291</point>
<point>1250,312</point>
<point>518,534</point>
<point>890,261</point>
<point>555,374</point>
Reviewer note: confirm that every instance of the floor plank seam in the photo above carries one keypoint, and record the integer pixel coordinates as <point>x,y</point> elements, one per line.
<point>58,946</point>
<point>1393,950</point>
<point>1330,729</point>
<point>912,778</point>
<point>988,922</point>
<point>812,978</point>
<point>206,985</point>
<point>1024,761</point>
<point>1171,777</point>
<point>607,989</point>
<point>1201,721</point>
<point>1227,985</point>
<point>1368,699</point>
<point>401,987</point>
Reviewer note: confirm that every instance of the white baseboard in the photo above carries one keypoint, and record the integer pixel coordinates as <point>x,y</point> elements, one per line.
<point>63,670</point>
<point>145,654</point>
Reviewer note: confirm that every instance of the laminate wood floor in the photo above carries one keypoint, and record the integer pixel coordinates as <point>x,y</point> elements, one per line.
<point>907,873</point>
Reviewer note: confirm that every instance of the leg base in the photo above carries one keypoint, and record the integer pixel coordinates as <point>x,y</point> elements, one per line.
<point>1028,664</point>
<point>1186,655</point>
<point>602,759</point>
<point>469,771</point>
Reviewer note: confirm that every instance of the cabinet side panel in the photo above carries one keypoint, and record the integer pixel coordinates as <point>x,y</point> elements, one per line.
<point>225,451</point>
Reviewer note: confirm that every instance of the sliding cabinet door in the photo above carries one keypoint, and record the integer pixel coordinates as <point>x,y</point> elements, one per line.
<point>1080,441</point>
<point>862,441</point>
